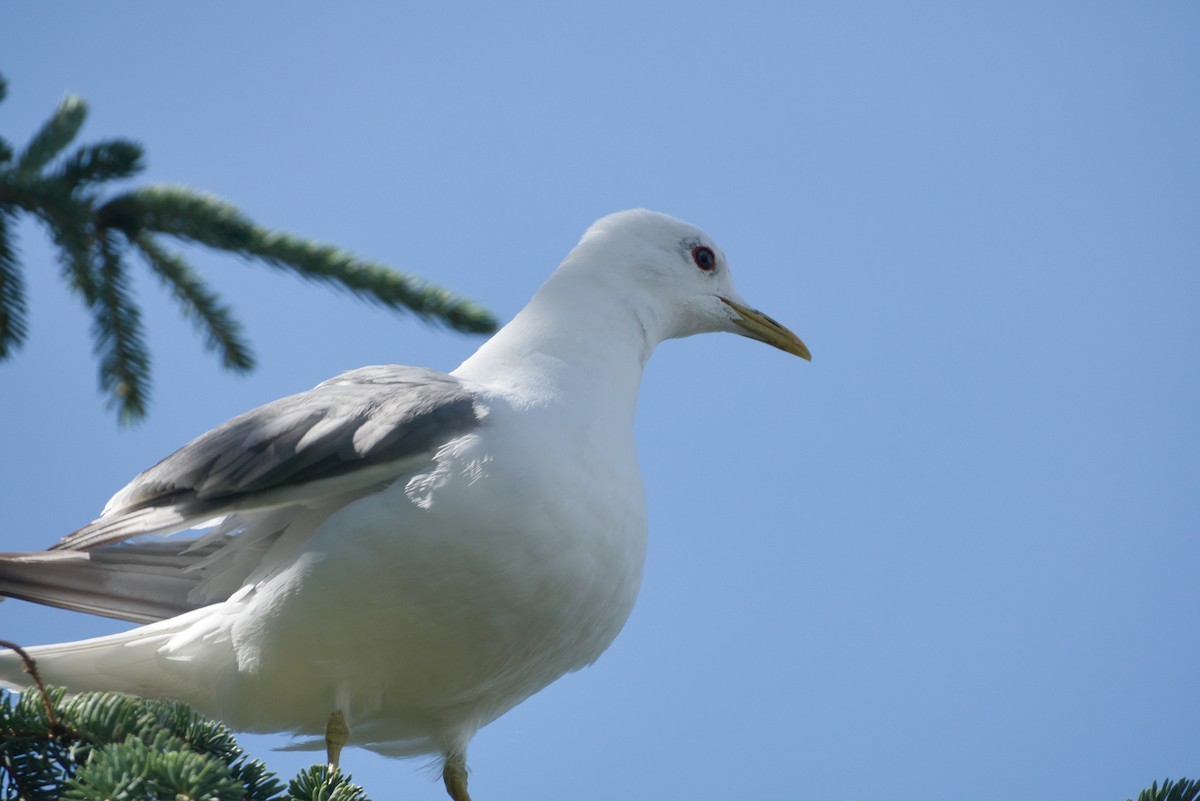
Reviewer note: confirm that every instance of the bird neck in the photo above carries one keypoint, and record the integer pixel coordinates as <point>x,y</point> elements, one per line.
<point>572,345</point>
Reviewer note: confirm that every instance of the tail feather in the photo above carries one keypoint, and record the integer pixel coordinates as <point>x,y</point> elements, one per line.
<point>142,584</point>
<point>136,662</point>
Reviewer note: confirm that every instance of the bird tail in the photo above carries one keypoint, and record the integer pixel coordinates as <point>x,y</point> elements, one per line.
<point>144,661</point>
<point>130,583</point>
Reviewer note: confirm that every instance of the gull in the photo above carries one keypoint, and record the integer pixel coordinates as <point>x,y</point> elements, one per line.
<point>398,556</point>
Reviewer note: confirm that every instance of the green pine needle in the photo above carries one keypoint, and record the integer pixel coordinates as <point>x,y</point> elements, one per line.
<point>56,134</point>
<point>1182,790</point>
<point>222,333</point>
<point>75,257</point>
<point>104,746</point>
<point>160,769</point>
<point>202,218</point>
<point>14,324</point>
<point>318,783</point>
<point>119,341</point>
<point>93,235</point>
<point>106,161</point>
<point>68,219</point>
<point>6,151</point>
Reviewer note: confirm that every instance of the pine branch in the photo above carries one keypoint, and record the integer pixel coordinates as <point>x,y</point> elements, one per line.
<point>111,746</point>
<point>6,151</point>
<point>35,753</point>
<point>29,666</point>
<point>67,216</point>
<point>106,161</point>
<point>202,218</point>
<point>36,749</point>
<point>65,200</point>
<point>160,769</point>
<point>117,330</point>
<point>314,261</point>
<point>318,783</point>
<point>1182,790</point>
<point>214,319</point>
<point>74,255</point>
<point>55,135</point>
<point>14,324</point>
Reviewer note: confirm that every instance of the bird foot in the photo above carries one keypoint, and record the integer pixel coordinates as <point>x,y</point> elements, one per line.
<point>337,734</point>
<point>455,777</point>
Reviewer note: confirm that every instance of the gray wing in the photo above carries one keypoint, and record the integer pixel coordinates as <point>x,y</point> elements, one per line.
<point>361,419</point>
<point>347,434</point>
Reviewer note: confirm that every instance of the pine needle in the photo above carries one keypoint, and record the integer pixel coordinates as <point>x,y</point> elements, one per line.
<point>92,236</point>
<point>53,136</point>
<point>14,322</point>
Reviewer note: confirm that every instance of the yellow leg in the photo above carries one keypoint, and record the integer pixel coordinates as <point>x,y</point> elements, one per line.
<point>337,733</point>
<point>455,777</point>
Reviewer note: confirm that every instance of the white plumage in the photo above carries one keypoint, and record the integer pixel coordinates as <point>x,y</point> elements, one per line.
<point>418,551</point>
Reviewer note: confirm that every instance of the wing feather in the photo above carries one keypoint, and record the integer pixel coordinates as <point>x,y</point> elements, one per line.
<point>249,480</point>
<point>317,440</point>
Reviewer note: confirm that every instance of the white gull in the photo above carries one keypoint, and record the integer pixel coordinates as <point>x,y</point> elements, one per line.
<point>402,552</point>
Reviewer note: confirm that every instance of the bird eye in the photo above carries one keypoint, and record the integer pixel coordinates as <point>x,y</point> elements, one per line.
<point>704,257</point>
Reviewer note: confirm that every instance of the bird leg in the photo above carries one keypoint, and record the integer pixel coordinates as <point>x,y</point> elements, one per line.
<point>455,777</point>
<point>337,734</point>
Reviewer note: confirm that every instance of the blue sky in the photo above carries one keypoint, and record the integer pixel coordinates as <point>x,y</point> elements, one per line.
<point>957,550</point>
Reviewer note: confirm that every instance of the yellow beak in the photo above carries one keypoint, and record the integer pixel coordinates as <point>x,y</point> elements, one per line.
<point>761,327</point>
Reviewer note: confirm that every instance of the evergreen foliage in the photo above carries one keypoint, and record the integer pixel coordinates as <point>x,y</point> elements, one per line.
<point>1182,790</point>
<point>95,235</point>
<point>109,747</point>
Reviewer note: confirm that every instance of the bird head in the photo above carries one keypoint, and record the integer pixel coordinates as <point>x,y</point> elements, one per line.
<point>677,277</point>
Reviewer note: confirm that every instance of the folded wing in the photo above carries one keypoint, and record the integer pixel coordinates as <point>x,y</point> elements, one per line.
<point>248,481</point>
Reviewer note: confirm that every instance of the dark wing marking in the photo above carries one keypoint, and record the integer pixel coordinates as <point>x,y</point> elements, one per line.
<point>360,419</point>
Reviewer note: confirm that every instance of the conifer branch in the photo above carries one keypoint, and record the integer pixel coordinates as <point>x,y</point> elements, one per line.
<point>1182,790</point>
<point>207,220</point>
<point>74,250</point>
<point>105,746</point>
<point>56,134</point>
<point>106,161</point>
<point>67,218</point>
<point>91,237</point>
<point>379,284</point>
<point>318,782</point>
<point>14,324</point>
<point>120,344</point>
<point>221,332</point>
<point>30,666</point>
<point>6,151</point>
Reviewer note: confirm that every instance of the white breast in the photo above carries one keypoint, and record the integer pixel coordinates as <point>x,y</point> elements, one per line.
<point>455,594</point>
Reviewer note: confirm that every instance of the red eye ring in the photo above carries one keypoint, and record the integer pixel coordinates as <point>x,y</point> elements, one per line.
<point>704,258</point>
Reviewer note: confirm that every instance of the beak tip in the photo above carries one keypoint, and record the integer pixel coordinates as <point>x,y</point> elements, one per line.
<point>757,325</point>
<point>796,348</point>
